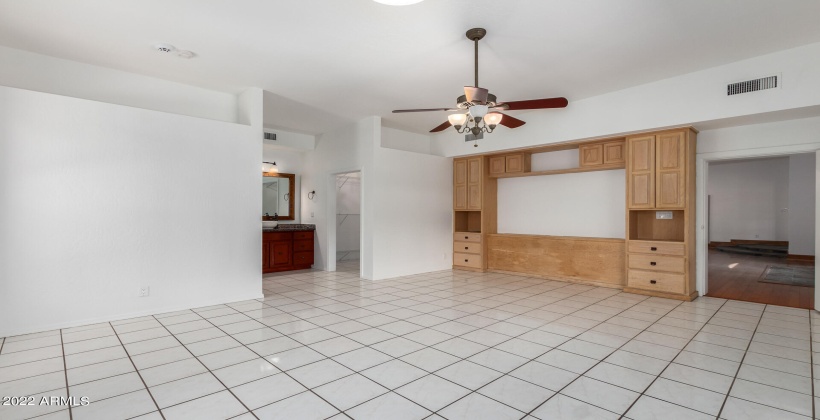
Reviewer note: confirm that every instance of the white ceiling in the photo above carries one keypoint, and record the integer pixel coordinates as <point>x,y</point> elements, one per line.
<point>354,58</point>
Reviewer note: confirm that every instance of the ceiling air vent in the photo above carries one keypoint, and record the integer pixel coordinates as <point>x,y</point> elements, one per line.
<point>763,83</point>
<point>270,136</point>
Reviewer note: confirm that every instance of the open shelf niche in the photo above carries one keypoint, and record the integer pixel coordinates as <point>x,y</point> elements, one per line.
<point>645,226</point>
<point>468,221</point>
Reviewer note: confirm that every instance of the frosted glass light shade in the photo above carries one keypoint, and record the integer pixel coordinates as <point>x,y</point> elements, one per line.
<point>493,118</point>
<point>479,111</point>
<point>457,119</point>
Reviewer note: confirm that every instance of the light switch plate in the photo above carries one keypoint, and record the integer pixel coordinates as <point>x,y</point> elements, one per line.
<point>663,215</point>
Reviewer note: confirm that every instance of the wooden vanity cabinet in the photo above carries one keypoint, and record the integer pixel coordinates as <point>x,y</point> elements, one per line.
<point>284,251</point>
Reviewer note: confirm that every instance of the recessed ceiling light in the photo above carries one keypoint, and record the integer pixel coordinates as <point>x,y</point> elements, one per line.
<point>398,2</point>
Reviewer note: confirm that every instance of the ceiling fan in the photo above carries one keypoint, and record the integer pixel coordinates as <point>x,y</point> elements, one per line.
<point>482,107</point>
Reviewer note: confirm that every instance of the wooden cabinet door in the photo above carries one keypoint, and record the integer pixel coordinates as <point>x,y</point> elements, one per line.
<point>671,171</point>
<point>265,255</point>
<point>460,184</point>
<point>280,254</point>
<point>640,172</point>
<point>474,183</point>
<point>514,163</point>
<point>591,155</point>
<point>614,153</point>
<point>498,165</point>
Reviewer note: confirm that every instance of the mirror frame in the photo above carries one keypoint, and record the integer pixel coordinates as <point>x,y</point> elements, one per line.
<point>292,177</point>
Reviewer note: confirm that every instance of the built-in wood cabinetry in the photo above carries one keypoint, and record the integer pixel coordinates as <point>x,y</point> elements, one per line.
<point>655,258</point>
<point>473,209</point>
<point>661,214</point>
<point>283,251</point>
<point>609,153</point>
<point>509,164</point>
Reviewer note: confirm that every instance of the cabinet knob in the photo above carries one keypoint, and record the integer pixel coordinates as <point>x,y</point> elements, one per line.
<point>466,247</point>
<point>654,248</point>
<point>653,263</point>
<point>653,281</point>
<point>466,260</point>
<point>466,237</point>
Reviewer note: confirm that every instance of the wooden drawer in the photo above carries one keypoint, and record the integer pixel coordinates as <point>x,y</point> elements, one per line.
<point>303,258</point>
<point>277,236</point>
<point>657,263</point>
<point>665,248</point>
<point>467,260</point>
<point>303,235</point>
<point>467,237</point>
<point>656,281</point>
<point>303,245</point>
<point>467,247</point>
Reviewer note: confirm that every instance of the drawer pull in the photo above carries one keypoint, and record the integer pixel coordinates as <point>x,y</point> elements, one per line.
<point>466,237</point>
<point>653,263</point>
<point>654,248</point>
<point>466,247</point>
<point>653,281</point>
<point>466,260</point>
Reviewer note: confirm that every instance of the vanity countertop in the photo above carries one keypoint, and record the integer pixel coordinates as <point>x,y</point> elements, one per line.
<point>290,227</point>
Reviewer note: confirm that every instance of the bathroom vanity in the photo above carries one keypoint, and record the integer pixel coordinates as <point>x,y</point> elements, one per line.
<point>287,247</point>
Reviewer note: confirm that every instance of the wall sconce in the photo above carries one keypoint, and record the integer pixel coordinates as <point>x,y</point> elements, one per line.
<point>270,167</point>
<point>311,195</point>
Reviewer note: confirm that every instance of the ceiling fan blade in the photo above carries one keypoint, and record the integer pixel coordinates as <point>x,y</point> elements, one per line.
<point>534,104</point>
<point>445,125</point>
<point>511,122</point>
<point>396,111</point>
<point>476,95</point>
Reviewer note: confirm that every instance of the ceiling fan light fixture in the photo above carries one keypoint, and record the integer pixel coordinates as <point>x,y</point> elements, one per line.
<point>398,2</point>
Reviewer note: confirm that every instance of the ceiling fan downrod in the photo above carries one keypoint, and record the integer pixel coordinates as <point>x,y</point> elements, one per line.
<point>475,35</point>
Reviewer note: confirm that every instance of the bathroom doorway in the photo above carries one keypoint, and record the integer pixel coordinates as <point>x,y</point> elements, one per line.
<point>348,221</point>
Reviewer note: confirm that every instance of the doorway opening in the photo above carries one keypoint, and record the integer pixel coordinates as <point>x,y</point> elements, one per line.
<point>348,222</point>
<point>760,214</point>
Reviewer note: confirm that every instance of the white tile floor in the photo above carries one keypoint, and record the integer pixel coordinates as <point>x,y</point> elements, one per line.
<point>450,344</point>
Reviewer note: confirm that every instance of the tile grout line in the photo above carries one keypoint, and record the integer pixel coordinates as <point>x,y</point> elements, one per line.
<point>740,365</point>
<point>206,367</point>
<point>280,371</point>
<point>811,364</point>
<point>137,371</point>
<point>673,361</point>
<point>65,373</point>
<point>558,392</point>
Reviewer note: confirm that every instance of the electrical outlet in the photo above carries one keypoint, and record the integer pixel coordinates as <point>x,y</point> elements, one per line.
<point>663,215</point>
<point>144,291</point>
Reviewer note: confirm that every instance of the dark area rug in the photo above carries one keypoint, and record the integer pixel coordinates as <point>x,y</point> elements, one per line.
<point>793,276</point>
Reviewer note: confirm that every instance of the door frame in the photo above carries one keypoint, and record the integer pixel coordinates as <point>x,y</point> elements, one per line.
<point>330,258</point>
<point>702,175</point>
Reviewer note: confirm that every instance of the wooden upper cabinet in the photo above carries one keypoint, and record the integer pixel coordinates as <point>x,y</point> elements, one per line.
<point>460,184</point>
<point>671,171</point>
<point>640,172</point>
<point>614,153</point>
<point>517,163</point>
<point>498,165</point>
<point>474,176</point>
<point>591,154</point>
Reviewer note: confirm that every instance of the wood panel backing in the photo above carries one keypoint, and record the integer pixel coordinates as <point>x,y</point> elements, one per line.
<point>599,260</point>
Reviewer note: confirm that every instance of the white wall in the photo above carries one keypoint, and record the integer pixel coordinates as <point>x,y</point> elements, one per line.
<point>144,198</point>
<point>348,212</point>
<point>406,202</point>
<point>689,99</point>
<point>403,140</point>
<point>42,73</point>
<point>749,200</point>
<point>413,209</point>
<point>588,204</point>
<point>802,191</point>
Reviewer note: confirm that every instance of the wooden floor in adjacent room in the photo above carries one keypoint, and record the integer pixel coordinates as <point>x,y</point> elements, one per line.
<point>736,276</point>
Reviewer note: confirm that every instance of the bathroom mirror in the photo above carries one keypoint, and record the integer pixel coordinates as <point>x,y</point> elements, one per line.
<point>277,195</point>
